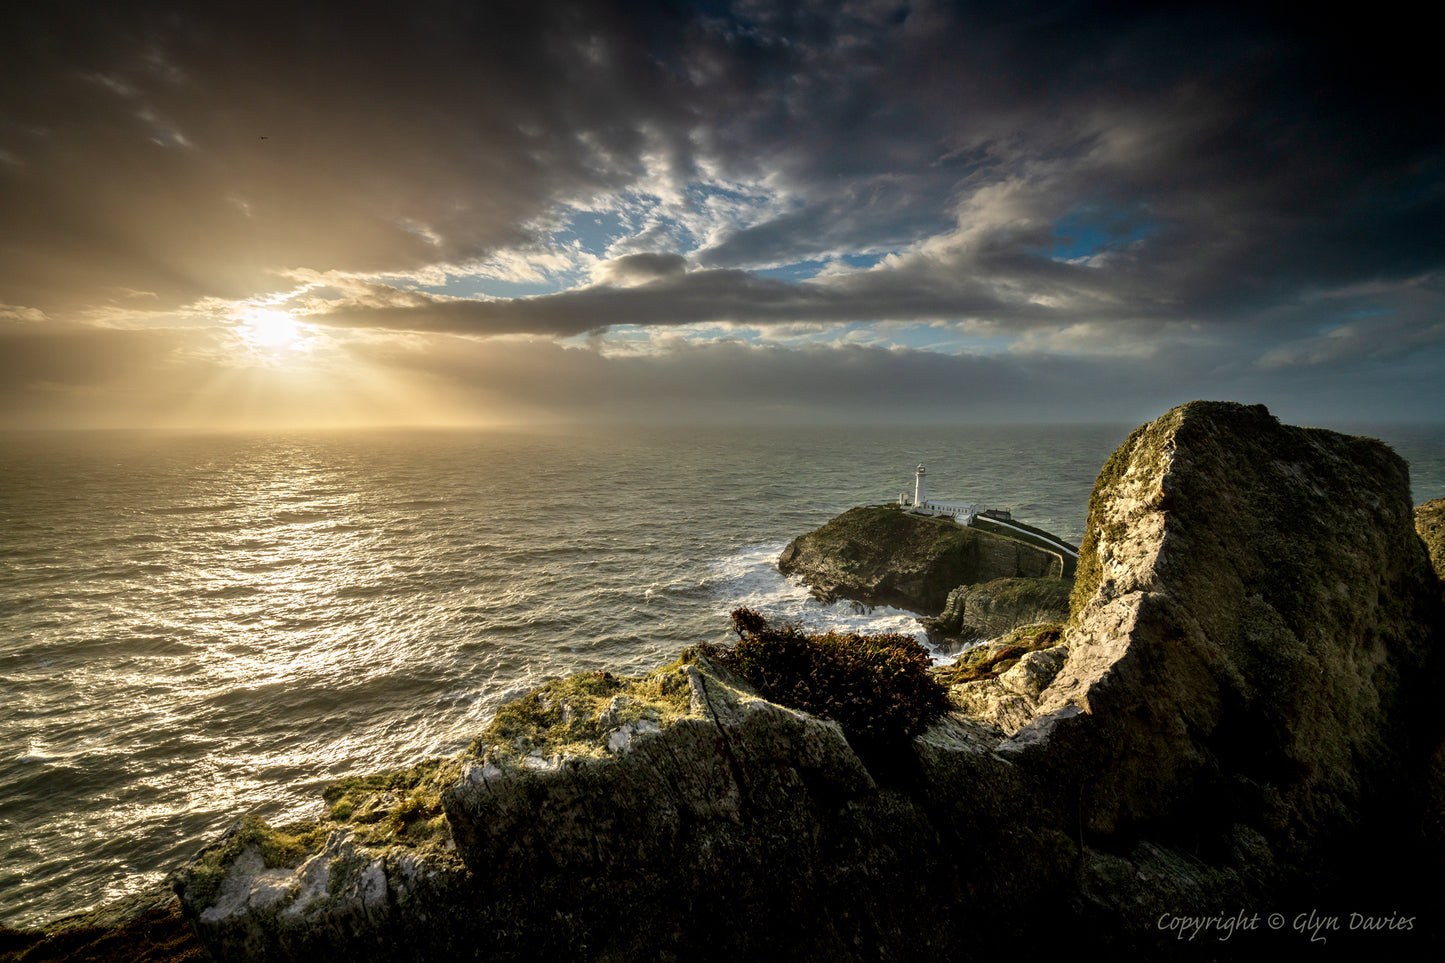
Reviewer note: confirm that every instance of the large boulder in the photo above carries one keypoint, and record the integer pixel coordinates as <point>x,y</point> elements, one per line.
<point>1237,722</point>
<point>883,555</point>
<point>1252,631</point>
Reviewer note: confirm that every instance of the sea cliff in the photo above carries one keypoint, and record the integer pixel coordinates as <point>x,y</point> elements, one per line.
<point>1237,721</point>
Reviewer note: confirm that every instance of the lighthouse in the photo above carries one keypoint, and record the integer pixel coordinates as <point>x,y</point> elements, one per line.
<point>920,488</point>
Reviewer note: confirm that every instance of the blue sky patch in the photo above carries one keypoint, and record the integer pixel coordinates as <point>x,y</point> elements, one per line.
<point>1087,231</point>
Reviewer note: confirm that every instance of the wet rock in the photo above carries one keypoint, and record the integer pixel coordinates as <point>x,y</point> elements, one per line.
<point>144,928</point>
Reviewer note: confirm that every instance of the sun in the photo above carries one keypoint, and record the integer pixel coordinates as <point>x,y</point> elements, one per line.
<point>271,329</point>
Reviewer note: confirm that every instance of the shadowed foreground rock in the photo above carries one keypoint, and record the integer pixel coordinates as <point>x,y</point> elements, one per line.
<point>1239,723</point>
<point>145,928</point>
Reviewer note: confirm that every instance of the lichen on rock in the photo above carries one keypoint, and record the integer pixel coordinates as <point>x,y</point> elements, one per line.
<point>588,714</point>
<point>381,851</point>
<point>999,683</point>
<point>1257,579</point>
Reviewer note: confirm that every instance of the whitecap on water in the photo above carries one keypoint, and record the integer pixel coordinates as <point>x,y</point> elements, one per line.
<point>750,579</point>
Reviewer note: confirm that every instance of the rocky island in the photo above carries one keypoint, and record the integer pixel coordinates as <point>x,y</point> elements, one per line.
<point>1232,738</point>
<point>968,582</point>
<point>883,555</point>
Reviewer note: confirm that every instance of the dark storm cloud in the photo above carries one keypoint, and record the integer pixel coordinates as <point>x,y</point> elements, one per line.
<point>1273,180</point>
<point>1265,151</point>
<point>642,267</point>
<point>675,298</point>
<point>186,149</point>
<point>1240,162</point>
<point>742,382</point>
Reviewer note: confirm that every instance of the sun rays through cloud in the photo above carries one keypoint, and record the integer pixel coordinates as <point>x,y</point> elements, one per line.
<point>1137,201</point>
<point>268,329</point>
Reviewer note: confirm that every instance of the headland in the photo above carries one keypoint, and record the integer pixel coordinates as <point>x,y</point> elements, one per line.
<point>1236,715</point>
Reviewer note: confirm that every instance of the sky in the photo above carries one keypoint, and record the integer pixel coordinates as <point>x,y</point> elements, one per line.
<point>264,214</point>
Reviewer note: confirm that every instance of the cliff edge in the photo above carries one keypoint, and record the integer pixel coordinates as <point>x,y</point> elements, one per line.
<point>1234,736</point>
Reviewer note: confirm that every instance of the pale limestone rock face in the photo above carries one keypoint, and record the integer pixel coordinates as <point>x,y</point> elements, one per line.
<point>1011,700</point>
<point>1034,671</point>
<point>1209,633</point>
<point>621,740</point>
<point>989,702</point>
<point>344,889</point>
<point>250,887</point>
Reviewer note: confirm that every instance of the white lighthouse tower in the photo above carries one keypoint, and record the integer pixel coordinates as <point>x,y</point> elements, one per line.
<point>920,488</point>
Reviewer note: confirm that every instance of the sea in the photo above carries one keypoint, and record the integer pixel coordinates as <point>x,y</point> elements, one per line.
<point>195,627</point>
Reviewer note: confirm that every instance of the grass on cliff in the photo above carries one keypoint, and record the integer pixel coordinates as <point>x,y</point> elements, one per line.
<point>392,808</point>
<point>284,846</point>
<point>404,806</point>
<point>857,539</point>
<point>876,687</point>
<point>575,715</point>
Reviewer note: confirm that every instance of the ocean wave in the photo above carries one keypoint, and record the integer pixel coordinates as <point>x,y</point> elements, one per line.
<point>751,579</point>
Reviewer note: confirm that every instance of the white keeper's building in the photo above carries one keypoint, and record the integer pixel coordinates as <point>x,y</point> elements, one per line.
<point>923,505</point>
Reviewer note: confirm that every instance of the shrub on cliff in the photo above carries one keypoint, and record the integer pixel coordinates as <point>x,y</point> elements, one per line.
<point>876,687</point>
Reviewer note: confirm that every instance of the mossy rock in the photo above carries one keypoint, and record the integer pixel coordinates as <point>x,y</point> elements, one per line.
<point>280,846</point>
<point>402,807</point>
<point>992,659</point>
<point>1430,523</point>
<point>577,715</point>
